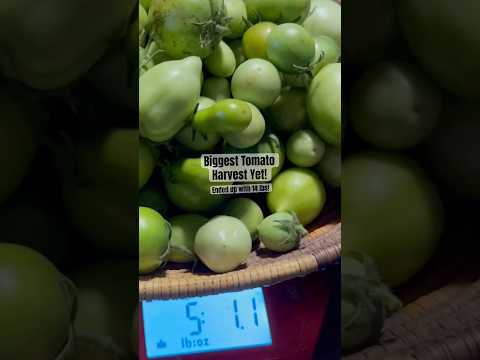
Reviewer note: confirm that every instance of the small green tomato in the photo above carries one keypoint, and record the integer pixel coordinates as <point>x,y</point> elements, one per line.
<point>305,148</point>
<point>281,232</point>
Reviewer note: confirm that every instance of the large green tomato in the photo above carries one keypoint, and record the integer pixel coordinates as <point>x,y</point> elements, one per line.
<point>324,103</point>
<point>298,190</point>
<point>391,212</point>
<point>453,151</point>
<point>189,27</point>
<point>154,234</point>
<point>258,82</point>
<point>290,48</point>
<point>325,19</point>
<point>18,139</point>
<point>37,305</point>
<point>223,243</point>
<point>277,11</point>
<point>169,93</point>
<point>430,26</point>
<point>188,186</point>
<point>394,106</point>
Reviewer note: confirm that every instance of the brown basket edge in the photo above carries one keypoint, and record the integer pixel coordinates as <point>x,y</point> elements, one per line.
<point>265,275</point>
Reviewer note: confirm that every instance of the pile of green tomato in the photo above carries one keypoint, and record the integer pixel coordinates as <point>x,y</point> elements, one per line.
<point>411,151</point>
<point>227,77</point>
<point>68,184</point>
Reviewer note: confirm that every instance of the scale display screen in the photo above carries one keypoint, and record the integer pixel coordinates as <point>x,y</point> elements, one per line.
<point>229,321</point>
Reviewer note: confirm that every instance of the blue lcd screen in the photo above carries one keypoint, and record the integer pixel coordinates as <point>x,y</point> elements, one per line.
<point>206,324</point>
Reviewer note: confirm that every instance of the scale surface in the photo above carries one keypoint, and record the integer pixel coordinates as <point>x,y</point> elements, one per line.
<point>282,322</point>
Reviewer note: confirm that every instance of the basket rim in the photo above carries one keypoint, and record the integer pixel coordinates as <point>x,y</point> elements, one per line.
<point>325,252</point>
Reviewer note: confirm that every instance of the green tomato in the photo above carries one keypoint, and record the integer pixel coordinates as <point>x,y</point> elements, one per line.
<point>189,27</point>
<point>18,138</point>
<point>223,243</point>
<point>281,232</point>
<point>394,106</point>
<point>146,163</point>
<point>298,190</point>
<point>305,148</point>
<point>456,27</point>
<point>324,104</point>
<point>258,82</point>
<point>255,40</point>
<point>325,19</point>
<point>391,212</point>
<point>290,48</point>
<point>289,112</point>
<point>224,117</point>
<point>44,321</point>
<point>247,211</point>
<point>154,234</point>
<point>277,11</point>
<point>188,186</point>
<point>330,167</point>
<point>237,12</point>
<point>327,52</point>
<point>221,62</point>
<point>198,142</point>
<point>453,149</point>
<point>184,229</point>
<point>251,135</point>
<point>169,93</point>
<point>216,88</point>
<point>237,48</point>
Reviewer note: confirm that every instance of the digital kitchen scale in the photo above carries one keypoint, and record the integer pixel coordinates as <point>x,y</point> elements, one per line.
<point>281,322</point>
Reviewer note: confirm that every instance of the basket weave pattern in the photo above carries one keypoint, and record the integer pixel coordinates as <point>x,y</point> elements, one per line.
<point>319,248</point>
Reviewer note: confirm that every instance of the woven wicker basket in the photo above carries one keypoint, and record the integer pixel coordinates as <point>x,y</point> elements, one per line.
<point>319,248</point>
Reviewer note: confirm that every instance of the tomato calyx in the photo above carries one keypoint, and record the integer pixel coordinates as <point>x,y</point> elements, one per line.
<point>213,30</point>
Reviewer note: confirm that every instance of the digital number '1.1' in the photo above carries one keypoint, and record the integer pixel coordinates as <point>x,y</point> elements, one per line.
<point>237,317</point>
